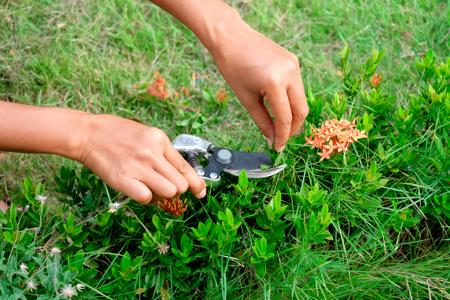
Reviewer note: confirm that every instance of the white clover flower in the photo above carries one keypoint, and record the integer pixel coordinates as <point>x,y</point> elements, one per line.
<point>24,268</point>
<point>163,248</point>
<point>55,250</point>
<point>41,198</point>
<point>113,208</point>
<point>68,291</point>
<point>36,229</point>
<point>31,285</point>
<point>80,287</point>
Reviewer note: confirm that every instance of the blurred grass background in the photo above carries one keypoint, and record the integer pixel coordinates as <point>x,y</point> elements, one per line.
<point>88,55</point>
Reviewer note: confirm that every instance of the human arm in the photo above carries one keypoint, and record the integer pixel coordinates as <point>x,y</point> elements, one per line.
<point>133,158</point>
<point>256,68</point>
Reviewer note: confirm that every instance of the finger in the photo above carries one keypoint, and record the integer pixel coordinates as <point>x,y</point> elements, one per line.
<point>136,190</point>
<point>255,106</point>
<point>196,184</point>
<point>158,184</point>
<point>299,106</point>
<point>166,169</point>
<point>281,109</point>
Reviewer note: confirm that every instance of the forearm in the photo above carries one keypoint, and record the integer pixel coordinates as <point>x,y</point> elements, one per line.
<point>33,129</point>
<point>214,22</point>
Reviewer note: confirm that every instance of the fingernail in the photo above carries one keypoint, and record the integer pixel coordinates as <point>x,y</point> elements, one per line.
<point>269,142</point>
<point>202,194</point>
<point>281,149</point>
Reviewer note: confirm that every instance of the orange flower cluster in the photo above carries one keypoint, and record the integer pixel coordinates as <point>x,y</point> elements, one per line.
<point>174,206</point>
<point>375,80</point>
<point>334,137</point>
<point>185,91</point>
<point>221,95</point>
<point>158,87</point>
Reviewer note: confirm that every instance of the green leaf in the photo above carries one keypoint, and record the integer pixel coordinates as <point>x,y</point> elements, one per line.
<point>372,175</point>
<point>157,222</point>
<point>9,237</point>
<point>230,217</point>
<point>70,220</point>
<point>276,204</point>
<point>270,215</point>
<point>148,242</point>
<point>125,262</point>
<point>260,269</point>
<point>12,211</point>
<point>439,148</point>
<point>339,105</point>
<point>207,95</point>
<point>27,187</point>
<point>103,219</point>
<point>227,218</point>
<point>344,58</point>
<point>137,262</point>
<point>325,216</point>
<point>203,229</point>
<point>367,122</point>
<point>186,245</point>
<point>243,181</point>
<point>261,245</point>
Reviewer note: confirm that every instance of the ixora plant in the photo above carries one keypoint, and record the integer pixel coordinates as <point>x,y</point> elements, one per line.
<point>368,218</point>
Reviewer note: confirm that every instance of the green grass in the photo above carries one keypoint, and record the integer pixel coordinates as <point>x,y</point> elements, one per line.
<point>88,55</point>
<point>105,47</point>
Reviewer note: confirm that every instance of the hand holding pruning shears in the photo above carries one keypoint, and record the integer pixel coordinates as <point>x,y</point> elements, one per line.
<point>140,161</point>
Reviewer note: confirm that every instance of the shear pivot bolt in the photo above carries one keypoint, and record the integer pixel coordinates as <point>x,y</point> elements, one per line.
<point>213,175</point>
<point>224,156</point>
<point>200,172</point>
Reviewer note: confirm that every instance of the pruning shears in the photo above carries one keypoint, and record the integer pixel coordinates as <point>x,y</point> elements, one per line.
<point>219,160</point>
<point>223,160</point>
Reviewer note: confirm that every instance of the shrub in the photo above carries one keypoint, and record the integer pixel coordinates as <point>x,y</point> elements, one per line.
<point>368,222</point>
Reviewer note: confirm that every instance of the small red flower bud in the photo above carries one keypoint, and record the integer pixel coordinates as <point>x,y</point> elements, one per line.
<point>375,80</point>
<point>158,87</point>
<point>174,206</point>
<point>221,95</point>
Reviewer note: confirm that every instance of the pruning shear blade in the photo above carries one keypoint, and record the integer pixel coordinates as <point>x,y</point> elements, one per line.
<point>258,173</point>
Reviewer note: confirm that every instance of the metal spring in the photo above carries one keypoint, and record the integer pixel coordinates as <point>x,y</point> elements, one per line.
<point>191,158</point>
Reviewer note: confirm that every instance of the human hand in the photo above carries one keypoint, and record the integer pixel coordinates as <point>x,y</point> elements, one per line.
<point>137,160</point>
<point>259,70</point>
<point>256,68</point>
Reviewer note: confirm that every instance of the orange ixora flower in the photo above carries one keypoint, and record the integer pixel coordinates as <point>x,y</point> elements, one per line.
<point>185,91</point>
<point>158,87</point>
<point>174,206</point>
<point>334,137</point>
<point>221,95</point>
<point>375,80</point>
